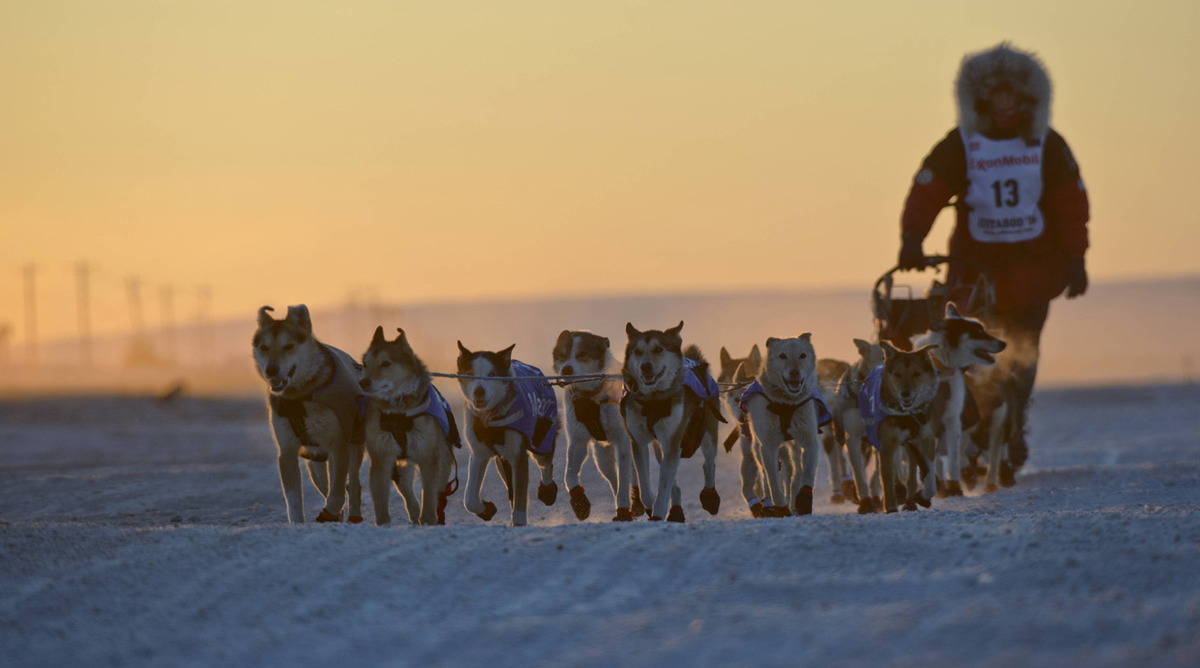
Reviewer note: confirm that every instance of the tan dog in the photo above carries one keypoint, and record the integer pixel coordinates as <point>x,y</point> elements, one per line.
<point>743,370</point>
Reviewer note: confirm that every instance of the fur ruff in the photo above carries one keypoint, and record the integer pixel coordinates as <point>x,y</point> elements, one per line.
<point>982,72</point>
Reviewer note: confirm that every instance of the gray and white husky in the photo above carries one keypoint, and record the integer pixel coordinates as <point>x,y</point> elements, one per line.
<point>743,370</point>
<point>409,430</point>
<point>673,403</point>
<point>314,412</point>
<point>507,421</point>
<point>848,419</point>
<point>594,417</point>
<point>785,410</point>
<point>962,343</point>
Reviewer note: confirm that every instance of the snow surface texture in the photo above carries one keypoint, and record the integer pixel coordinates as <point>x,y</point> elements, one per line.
<point>147,534</point>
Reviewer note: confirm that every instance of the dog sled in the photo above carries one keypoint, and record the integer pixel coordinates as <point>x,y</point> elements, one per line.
<point>900,314</point>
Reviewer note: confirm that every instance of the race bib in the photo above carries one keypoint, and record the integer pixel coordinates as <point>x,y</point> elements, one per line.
<point>1004,187</point>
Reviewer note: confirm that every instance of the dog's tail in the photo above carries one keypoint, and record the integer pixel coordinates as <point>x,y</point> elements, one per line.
<point>693,353</point>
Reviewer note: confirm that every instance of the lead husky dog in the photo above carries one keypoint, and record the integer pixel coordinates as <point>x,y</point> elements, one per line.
<point>594,416</point>
<point>785,410</point>
<point>848,418</point>
<point>672,402</point>
<point>896,403</point>
<point>315,411</point>
<point>409,429</point>
<point>961,343</point>
<point>743,370</point>
<point>508,420</point>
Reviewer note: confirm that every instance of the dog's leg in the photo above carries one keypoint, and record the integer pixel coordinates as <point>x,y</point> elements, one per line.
<point>354,483</point>
<point>624,456</point>
<point>833,454</point>
<point>752,491</point>
<point>339,463</point>
<point>505,469</point>
<point>640,442</point>
<point>318,472</point>
<point>293,492</point>
<point>806,451</point>
<point>547,491</point>
<point>710,499</point>
<point>605,457</point>
<point>852,423</point>
<point>787,467</point>
<point>999,419</point>
<point>927,449</point>
<point>770,465</point>
<point>520,465</point>
<point>431,485</point>
<point>577,442</point>
<point>885,463</point>
<point>667,470</point>
<point>476,469</point>
<point>379,477</point>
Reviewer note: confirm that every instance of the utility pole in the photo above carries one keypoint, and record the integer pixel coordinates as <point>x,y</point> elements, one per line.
<point>30,272</point>
<point>204,335</point>
<point>166,296</point>
<point>82,271</point>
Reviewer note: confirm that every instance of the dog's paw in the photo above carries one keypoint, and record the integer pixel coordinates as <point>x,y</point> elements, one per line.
<point>675,514</point>
<point>580,503</point>
<point>891,511</point>
<point>953,488</point>
<point>922,501</point>
<point>804,500</point>
<point>756,510</point>
<point>970,476</point>
<point>901,491</point>
<point>990,489</point>
<point>710,500</point>
<point>878,503</point>
<point>941,490</point>
<point>865,507</point>
<point>850,491</point>
<point>837,498</point>
<point>326,516</point>
<point>489,511</point>
<point>313,453</point>
<point>777,511</point>
<point>1008,475</point>
<point>547,494</point>
<point>623,515</point>
<point>910,505</point>
<point>354,519</point>
<point>635,502</point>
<point>655,519</point>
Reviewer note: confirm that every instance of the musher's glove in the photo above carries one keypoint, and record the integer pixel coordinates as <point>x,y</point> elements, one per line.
<point>911,255</point>
<point>1077,280</point>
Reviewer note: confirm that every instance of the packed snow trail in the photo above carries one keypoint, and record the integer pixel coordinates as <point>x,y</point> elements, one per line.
<point>137,533</point>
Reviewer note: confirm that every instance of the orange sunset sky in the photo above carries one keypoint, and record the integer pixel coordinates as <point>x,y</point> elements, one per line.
<point>299,151</point>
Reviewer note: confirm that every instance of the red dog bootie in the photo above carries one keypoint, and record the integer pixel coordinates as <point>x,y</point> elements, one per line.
<point>580,503</point>
<point>623,515</point>
<point>327,517</point>
<point>804,501</point>
<point>489,511</point>
<point>635,502</point>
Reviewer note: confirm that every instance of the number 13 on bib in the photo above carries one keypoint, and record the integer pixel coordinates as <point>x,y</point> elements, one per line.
<point>1004,180</point>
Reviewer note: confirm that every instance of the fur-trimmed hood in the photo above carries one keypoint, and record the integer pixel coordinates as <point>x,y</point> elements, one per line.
<point>981,72</point>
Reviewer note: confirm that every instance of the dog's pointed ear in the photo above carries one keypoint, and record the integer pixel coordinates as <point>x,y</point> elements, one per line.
<point>264,316</point>
<point>755,357</point>
<point>378,337</point>
<point>631,331</point>
<point>889,351</point>
<point>506,354</point>
<point>403,338</point>
<point>864,348</point>
<point>726,358</point>
<point>807,336</point>
<point>741,373</point>
<point>563,342</point>
<point>299,314</point>
<point>463,353</point>
<point>771,341</point>
<point>926,349</point>
<point>952,310</point>
<point>606,344</point>
<point>674,331</point>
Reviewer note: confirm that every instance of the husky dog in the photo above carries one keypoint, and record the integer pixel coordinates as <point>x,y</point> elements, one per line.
<point>829,374</point>
<point>896,403</point>
<point>316,412</point>
<point>961,343</point>
<point>672,402</point>
<point>995,389</point>
<point>743,370</point>
<point>507,420</point>
<point>847,419</point>
<point>594,416</point>
<point>785,410</point>
<point>409,428</point>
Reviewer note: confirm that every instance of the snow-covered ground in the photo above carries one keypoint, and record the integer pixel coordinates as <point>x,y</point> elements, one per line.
<point>139,533</point>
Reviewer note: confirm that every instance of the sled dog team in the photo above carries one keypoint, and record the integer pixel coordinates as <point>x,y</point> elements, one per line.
<point>912,412</point>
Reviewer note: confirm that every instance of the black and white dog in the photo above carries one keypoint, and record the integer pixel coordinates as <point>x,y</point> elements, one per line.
<point>512,412</point>
<point>593,410</point>
<point>671,402</point>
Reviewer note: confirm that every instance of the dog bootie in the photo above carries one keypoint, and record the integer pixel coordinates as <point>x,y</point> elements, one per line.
<point>354,519</point>
<point>756,509</point>
<point>850,491</point>
<point>548,493</point>
<point>922,501</point>
<point>804,501</point>
<point>580,503</point>
<point>710,500</point>
<point>865,507</point>
<point>489,511</point>
<point>777,511</point>
<point>910,505</point>
<point>1008,474</point>
<point>990,489</point>
<point>941,490</point>
<point>623,515</point>
<point>970,477</point>
<point>635,502</point>
<point>953,488</point>
<point>326,516</point>
<point>675,514</point>
<point>901,491</point>
<point>837,497</point>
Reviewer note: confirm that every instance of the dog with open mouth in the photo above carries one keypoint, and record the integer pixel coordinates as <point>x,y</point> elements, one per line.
<point>785,410</point>
<point>594,417</point>
<point>672,404</point>
<point>410,429</point>
<point>316,412</point>
<point>512,414</point>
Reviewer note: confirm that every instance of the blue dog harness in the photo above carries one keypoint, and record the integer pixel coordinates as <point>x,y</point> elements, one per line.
<point>700,383</point>
<point>398,424</point>
<point>783,411</point>
<point>533,412</point>
<point>873,408</point>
